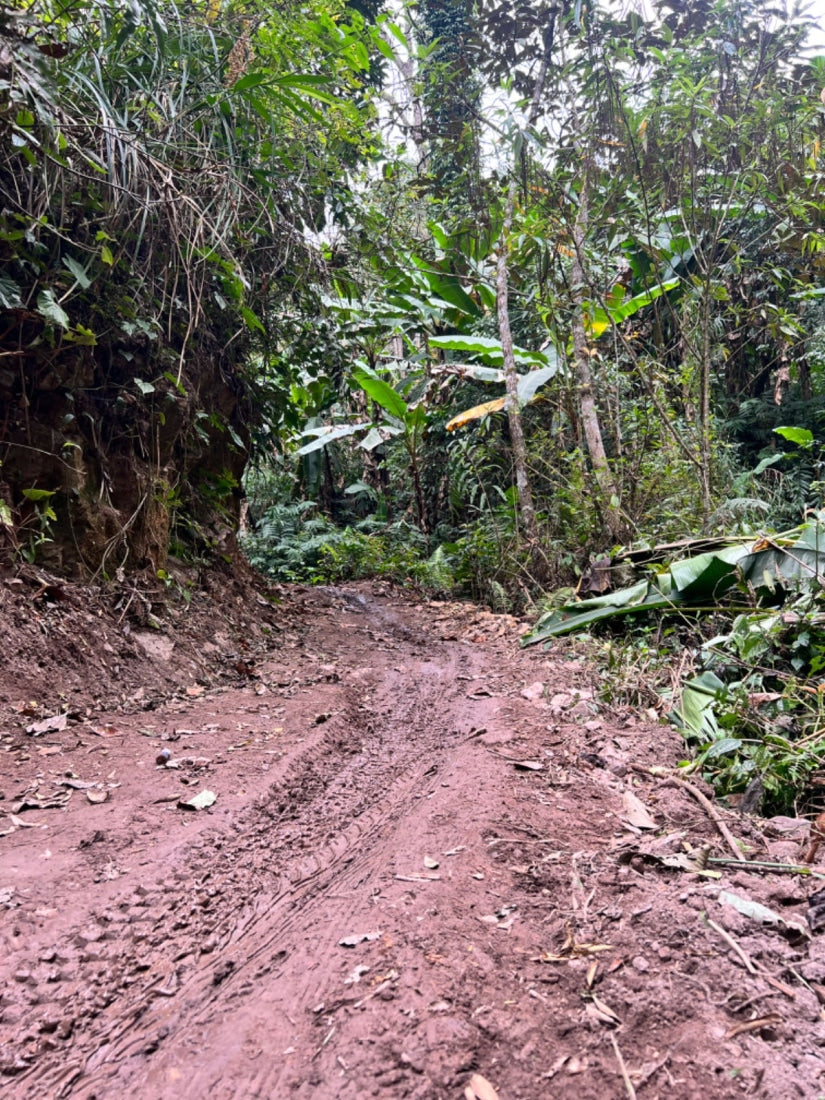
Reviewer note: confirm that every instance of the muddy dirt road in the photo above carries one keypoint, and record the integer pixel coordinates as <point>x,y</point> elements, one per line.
<point>422,876</point>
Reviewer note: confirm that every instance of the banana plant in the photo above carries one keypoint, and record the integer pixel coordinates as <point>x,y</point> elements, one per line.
<point>541,365</point>
<point>408,421</point>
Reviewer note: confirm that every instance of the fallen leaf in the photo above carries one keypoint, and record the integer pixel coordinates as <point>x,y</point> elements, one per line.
<point>455,851</point>
<point>47,725</point>
<point>757,912</point>
<point>635,813</point>
<point>49,750</point>
<point>358,937</point>
<point>34,801</point>
<point>480,1088</point>
<point>416,877</point>
<point>528,765</point>
<point>600,1012</point>
<point>200,801</point>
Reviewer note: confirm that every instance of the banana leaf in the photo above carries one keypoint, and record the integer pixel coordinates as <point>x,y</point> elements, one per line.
<point>791,561</point>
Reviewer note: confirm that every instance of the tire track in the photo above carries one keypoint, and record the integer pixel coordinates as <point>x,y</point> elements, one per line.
<point>205,955</point>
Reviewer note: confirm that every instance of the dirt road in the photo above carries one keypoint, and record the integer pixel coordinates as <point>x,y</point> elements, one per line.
<point>422,874</point>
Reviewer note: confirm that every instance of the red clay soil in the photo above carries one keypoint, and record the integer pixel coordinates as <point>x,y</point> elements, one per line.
<point>425,872</point>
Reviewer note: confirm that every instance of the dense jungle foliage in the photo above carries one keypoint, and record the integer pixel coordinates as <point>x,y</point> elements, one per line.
<point>487,298</point>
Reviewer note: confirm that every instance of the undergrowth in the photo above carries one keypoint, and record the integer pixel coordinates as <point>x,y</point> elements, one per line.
<point>747,697</point>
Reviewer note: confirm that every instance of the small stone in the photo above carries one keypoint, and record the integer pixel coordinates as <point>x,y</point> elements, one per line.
<point>641,964</point>
<point>23,976</point>
<point>65,1027</point>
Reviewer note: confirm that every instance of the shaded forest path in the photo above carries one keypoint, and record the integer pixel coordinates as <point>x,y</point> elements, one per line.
<point>424,875</point>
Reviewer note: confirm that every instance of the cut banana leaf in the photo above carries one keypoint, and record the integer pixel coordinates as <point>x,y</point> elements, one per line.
<point>694,714</point>
<point>793,561</point>
<point>708,575</point>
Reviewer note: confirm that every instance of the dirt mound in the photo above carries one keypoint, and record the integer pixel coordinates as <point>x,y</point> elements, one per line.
<point>425,865</point>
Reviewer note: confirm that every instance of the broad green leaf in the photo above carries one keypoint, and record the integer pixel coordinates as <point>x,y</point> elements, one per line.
<point>600,320</point>
<point>78,272</point>
<point>356,488</point>
<point>38,494</point>
<point>530,383</point>
<point>51,310</point>
<point>252,321</point>
<point>694,715</point>
<point>800,436</point>
<point>490,349</point>
<point>249,80</point>
<point>328,435</point>
<point>449,289</point>
<point>9,293</point>
<point>396,32</point>
<point>770,461</point>
<point>145,387</point>
<point>439,235</point>
<point>236,439</point>
<point>722,747</point>
<point>708,576</point>
<point>106,255</point>
<point>382,393</point>
<point>796,564</point>
<point>642,596</point>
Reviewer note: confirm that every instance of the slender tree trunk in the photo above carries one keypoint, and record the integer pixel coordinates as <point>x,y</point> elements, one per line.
<point>512,405</point>
<point>608,495</point>
<point>525,493</point>
<point>704,408</point>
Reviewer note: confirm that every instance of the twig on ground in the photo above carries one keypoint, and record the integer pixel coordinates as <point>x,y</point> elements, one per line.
<point>628,1084</point>
<point>748,963</point>
<point>709,809</point>
<point>753,1025</point>
<point>764,865</point>
<point>731,942</point>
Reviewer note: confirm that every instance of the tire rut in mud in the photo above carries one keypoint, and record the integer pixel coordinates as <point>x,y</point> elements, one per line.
<point>217,932</point>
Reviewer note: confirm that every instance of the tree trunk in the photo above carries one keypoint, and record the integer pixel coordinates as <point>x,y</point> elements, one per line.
<point>607,492</point>
<point>525,493</point>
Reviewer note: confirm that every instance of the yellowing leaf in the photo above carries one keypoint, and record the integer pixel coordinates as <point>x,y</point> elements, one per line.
<point>478,412</point>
